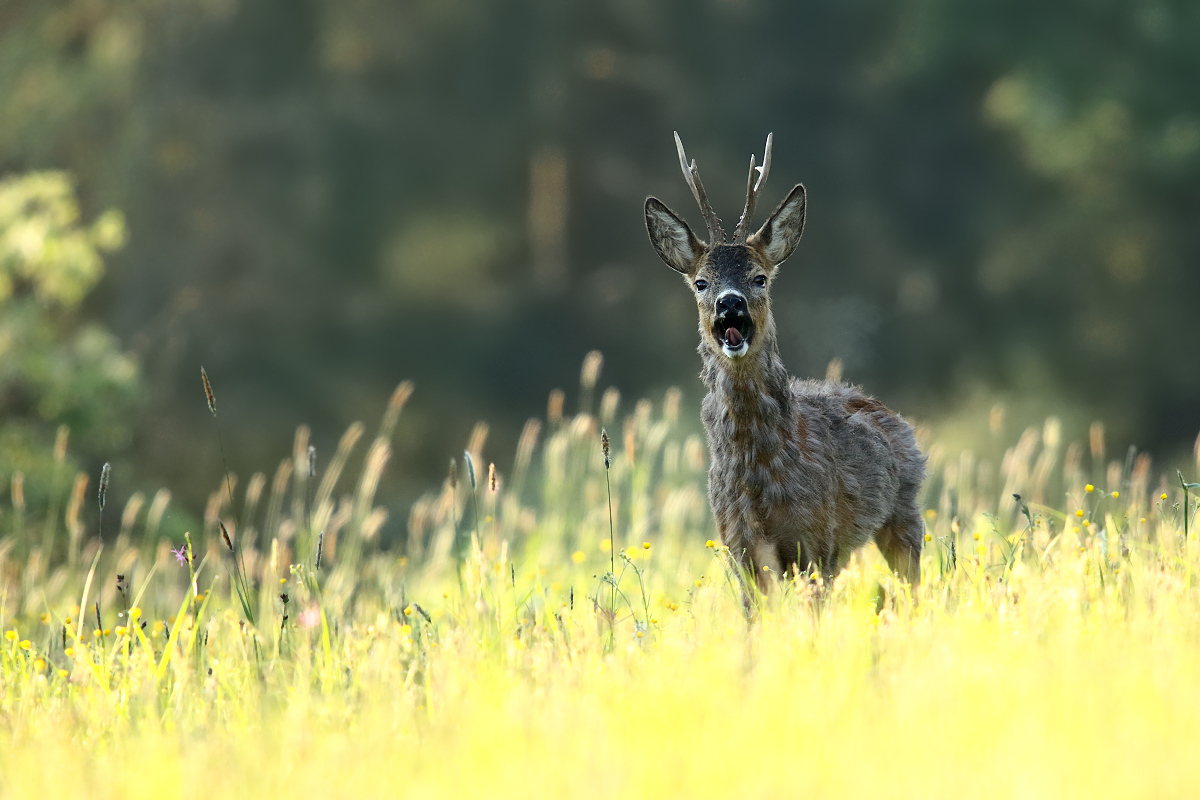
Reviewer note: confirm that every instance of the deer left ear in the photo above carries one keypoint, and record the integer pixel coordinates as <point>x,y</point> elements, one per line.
<point>780,234</point>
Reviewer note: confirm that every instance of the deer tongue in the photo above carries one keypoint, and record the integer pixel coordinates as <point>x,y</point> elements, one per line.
<point>733,337</point>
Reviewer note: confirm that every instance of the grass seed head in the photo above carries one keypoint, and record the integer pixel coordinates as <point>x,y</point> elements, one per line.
<point>225,536</point>
<point>470,467</point>
<point>208,392</point>
<point>604,447</point>
<point>105,471</point>
<point>590,373</point>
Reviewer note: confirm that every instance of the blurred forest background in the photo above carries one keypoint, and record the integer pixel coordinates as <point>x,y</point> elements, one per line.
<point>316,199</point>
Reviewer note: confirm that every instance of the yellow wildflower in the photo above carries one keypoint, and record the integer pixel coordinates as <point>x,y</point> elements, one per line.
<point>1089,488</point>
<point>710,544</point>
<point>645,545</point>
<point>26,644</point>
<point>578,556</point>
<point>1079,513</point>
<point>10,635</point>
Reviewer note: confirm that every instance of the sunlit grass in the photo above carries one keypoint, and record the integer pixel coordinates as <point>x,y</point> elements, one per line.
<point>1051,651</point>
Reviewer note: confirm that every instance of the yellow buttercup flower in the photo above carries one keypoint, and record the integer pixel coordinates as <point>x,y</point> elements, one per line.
<point>1079,513</point>
<point>579,556</point>
<point>710,544</point>
<point>26,644</point>
<point>10,635</point>
<point>1115,495</point>
<point>645,545</point>
<point>1089,488</point>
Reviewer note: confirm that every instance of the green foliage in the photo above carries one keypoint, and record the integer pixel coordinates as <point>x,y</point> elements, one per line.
<point>1002,198</point>
<point>55,369</point>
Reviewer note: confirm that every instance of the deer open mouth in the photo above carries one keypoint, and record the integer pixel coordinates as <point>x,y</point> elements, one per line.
<point>734,331</point>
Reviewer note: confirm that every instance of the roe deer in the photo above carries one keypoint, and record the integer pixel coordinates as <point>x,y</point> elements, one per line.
<point>803,472</point>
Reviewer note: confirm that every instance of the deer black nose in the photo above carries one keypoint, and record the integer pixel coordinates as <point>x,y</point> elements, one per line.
<point>731,303</point>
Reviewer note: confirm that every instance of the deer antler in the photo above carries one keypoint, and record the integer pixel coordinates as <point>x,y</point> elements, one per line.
<point>716,234</point>
<point>742,231</point>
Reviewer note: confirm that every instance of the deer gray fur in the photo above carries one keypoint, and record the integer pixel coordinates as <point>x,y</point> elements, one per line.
<point>804,472</point>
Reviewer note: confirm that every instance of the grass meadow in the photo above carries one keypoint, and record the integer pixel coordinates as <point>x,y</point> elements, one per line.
<point>1051,650</point>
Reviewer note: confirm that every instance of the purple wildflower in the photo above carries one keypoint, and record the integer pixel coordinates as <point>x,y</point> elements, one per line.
<point>180,555</point>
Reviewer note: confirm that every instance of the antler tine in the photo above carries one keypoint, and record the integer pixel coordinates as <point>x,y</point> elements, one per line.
<point>742,231</point>
<point>691,174</point>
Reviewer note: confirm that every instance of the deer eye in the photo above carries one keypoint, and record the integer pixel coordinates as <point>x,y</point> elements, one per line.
<point>701,285</point>
<point>760,281</point>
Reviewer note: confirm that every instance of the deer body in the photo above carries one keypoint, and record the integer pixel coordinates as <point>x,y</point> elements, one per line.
<point>803,472</point>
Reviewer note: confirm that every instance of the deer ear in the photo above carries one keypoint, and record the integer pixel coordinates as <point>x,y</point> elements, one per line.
<point>673,240</point>
<point>780,234</point>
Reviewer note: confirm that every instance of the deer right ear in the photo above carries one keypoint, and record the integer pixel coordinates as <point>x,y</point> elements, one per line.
<point>673,240</point>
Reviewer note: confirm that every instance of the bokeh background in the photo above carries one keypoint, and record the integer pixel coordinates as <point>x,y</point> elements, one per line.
<point>316,199</point>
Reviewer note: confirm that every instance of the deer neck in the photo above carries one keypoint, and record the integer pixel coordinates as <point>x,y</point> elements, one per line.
<point>753,391</point>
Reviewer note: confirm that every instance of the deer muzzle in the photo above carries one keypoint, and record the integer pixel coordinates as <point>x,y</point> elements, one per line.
<point>732,325</point>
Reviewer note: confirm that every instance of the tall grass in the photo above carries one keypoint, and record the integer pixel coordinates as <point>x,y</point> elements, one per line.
<point>1051,650</point>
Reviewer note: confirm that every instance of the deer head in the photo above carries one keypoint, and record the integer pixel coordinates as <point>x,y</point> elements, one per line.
<point>731,281</point>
